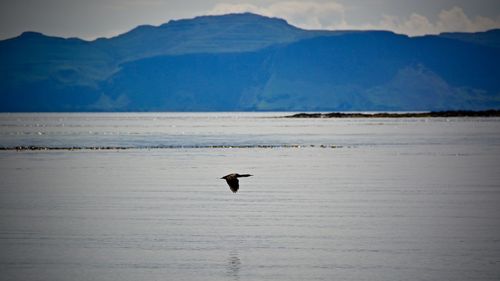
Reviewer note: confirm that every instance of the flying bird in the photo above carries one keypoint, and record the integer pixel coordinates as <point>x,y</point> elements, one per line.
<point>232,181</point>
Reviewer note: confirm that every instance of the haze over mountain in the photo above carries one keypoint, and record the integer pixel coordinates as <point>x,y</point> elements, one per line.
<point>249,62</point>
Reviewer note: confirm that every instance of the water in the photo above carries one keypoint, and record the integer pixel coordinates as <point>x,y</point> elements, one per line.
<point>330,199</point>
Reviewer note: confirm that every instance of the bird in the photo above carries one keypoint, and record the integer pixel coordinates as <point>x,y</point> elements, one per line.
<point>232,180</point>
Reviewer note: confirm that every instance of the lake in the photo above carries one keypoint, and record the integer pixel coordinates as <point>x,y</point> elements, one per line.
<point>138,196</point>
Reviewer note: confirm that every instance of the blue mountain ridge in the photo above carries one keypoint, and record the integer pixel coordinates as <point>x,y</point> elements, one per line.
<point>249,62</point>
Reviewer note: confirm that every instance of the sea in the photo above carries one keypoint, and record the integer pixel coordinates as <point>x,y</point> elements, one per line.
<point>138,196</point>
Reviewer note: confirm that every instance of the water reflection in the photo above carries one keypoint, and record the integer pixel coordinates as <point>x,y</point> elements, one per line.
<point>233,265</point>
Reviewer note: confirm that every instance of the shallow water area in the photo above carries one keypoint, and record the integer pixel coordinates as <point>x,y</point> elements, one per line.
<point>405,199</point>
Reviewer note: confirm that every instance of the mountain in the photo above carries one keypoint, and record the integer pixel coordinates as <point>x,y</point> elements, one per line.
<point>490,38</point>
<point>205,34</point>
<point>249,62</point>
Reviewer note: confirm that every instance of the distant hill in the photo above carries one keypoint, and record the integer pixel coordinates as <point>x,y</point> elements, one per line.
<point>490,38</point>
<point>249,62</point>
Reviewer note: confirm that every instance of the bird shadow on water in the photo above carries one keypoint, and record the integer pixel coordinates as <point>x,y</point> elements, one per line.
<point>233,265</point>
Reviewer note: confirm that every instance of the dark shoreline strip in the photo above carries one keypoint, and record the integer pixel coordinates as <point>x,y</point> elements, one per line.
<point>81,148</point>
<point>450,113</point>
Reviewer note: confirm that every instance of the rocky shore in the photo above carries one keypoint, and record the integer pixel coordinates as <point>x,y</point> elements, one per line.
<point>451,113</point>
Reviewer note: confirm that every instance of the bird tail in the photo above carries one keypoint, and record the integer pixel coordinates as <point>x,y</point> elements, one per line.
<point>244,175</point>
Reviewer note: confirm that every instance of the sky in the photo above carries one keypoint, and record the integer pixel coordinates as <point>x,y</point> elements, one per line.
<point>91,19</point>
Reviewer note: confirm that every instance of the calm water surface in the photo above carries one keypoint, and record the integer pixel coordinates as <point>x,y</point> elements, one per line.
<point>330,199</point>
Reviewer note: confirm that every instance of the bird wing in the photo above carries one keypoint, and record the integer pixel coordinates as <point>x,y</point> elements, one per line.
<point>233,184</point>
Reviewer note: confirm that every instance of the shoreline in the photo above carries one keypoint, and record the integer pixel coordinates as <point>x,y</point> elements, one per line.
<point>432,114</point>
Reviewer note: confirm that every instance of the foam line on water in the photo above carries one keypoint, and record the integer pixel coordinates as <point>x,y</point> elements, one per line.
<point>70,148</point>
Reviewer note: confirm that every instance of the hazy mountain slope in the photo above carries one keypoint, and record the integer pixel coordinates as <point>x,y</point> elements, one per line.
<point>187,82</point>
<point>361,71</point>
<point>249,62</point>
<point>36,57</point>
<point>490,38</point>
<point>41,73</point>
<point>205,34</point>
<point>380,70</point>
<point>33,65</point>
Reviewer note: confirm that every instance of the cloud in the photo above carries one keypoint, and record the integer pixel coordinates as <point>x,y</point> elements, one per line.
<point>226,8</point>
<point>415,25</point>
<point>332,15</point>
<point>451,20</point>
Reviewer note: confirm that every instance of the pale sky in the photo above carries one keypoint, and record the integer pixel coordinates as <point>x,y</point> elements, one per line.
<point>91,19</point>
